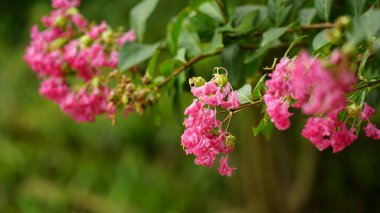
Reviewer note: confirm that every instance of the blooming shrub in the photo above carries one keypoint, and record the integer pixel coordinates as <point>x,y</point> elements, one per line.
<point>326,73</point>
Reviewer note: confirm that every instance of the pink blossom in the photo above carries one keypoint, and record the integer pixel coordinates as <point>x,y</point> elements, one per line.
<point>224,169</point>
<point>367,112</point>
<point>318,131</point>
<point>129,36</point>
<point>55,89</point>
<point>97,30</point>
<point>79,21</point>
<point>372,132</point>
<point>342,138</point>
<point>64,4</point>
<point>278,110</point>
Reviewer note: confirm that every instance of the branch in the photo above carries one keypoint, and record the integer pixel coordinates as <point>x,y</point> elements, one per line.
<point>370,84</point>
<point>187,65</point>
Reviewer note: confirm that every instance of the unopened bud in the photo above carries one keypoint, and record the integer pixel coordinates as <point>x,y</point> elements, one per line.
<point>230,141</point>
<point>353,110</point>
<point>221,80</point>
<point>60,22</point>
<point>197,81</point>
<point>107,36</point>
<point>85,40</point>
<point>58,43</point>
<point>343,21</point>
<point>73,11</point>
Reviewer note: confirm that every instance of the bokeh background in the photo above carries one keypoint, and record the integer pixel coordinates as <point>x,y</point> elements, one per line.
<point>49,163</point>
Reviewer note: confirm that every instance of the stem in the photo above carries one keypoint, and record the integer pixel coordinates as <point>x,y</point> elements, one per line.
<point>229,120</point>
<point>240,108</point>
<point>367,85</point>
<point>187,65</point>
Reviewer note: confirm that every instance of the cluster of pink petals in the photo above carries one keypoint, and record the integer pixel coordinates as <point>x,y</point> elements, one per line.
<point>69,45</point>
<point>203,136</point>
<point>320,92</point>
<point>371,130</point>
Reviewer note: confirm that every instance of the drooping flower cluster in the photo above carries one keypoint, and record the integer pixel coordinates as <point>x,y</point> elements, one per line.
<point>204,136</point>
<point>70,48</point>
<point>319,89</point>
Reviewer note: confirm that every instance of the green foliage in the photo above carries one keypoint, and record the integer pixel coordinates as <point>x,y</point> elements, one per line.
<point>245,94</point>
<point>323,8</point>
<point>139,16</point>
<point>134,53</point>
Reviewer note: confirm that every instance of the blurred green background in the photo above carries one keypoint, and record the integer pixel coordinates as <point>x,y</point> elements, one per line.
<point>49,163</point>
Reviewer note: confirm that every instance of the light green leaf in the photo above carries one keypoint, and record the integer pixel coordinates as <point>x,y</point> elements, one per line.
<point>133,53</point>
<point>320,40</point>
<point>323,8</point>
<point>263,123</point>
<point>272,34</point>
<point>244,94</point>
<point>140,14</point>
<point>152,64</point>
<point>190,40</point>
<point>307,15</point>
<point>174,30</point>
<point>212,9</point>
<point>257,91</point>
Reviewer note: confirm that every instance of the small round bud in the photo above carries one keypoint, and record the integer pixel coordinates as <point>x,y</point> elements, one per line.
<point>348,49</point>
<point>58,43</point>
<point>343,21</point>
<point>197,81</point>
<point>60,22</point>
<point>221,80</point>
<point>85,40</point>
<point>230,141</point>
<point>107,36</point>
<point>353,110</point>
<point>73,11</point>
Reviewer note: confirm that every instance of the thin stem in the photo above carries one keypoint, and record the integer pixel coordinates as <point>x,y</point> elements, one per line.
<point>187,65</point>
<point>229,120</point>
<point>367,85</point>
<point>238,109</point>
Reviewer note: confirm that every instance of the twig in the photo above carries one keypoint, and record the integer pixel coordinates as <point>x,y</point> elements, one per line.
<point>367,85</point>
<point>187,65</point>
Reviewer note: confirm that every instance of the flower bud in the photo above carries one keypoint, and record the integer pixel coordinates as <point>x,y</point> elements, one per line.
<point>85,40</point>
<point>60,22</point>
<point>343,21</point>
<point>197,81</point>
<point>107,36</point>
<point>73,11</point>
<point>58,43</point>
<point>221,80</point>
<point>353,110</point>
<point>230,141</point>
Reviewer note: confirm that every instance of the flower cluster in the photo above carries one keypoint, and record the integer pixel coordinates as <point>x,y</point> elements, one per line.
<point>71,56</point>
<point>204,136</point>
<point>319,89</point>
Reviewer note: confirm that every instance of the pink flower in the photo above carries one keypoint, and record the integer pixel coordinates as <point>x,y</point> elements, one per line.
<point>129,36</point>
<point>55,89</point>
<point>367,112</point>
<point>372,132</point>
<point>64,4</point>
<point>278,111</point>
<point>96,31</point>
<point>318,131</point>
<point>224,169</point>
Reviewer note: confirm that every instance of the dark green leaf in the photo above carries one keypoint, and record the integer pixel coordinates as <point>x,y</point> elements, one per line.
<point>152,64</point>
<point>140,14</point>
<point>244,94</point>
<point>212,9</point>
<point>174,30</point>
<point>323,8</point>
<point>257,91</point>
<point>356,6</point>
<point>263,123</point>
<point>278,11</point>
<point>256,54</point>
<point>133,53</point>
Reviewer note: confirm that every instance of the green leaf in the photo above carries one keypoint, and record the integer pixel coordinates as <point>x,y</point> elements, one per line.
<point>298,39</point>
<point>307,15</point>
<point>133,53</point>
<point>244,94</point>
<point>257,91</point>
<point>363,62</point>
<point>167,67</point>
<point>278,11</point>
<point>356,7</point>
<point>263,123</point>
<point>152,64</point>
<point>189,39</point>
<point>212,9</point>
<point>246,24</point>
<point>256,54</point>
<point>323,8</point>
<point>272,34</point>
<point>140,14</point>
<point>320,40</point>
<point>174,30</point>
<point>232,61</point>
<point>215,44</point>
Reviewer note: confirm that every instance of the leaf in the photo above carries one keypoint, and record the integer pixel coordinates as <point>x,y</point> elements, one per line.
<point>174,30</point>
<point>246,24</point>
<point>272,34</point>
<point>256,54</point>
<point>167,67</point>
<point>133,53</point>
<point>215,44</point>
<point>244,94</point>
<point>152,64</point>
<point>323,8</point>
<point>298,39</point>
<point>232,61</point>
<point>263,123</point>
<point>189,39</point>
<point>307,15</point>
<point>140,14</point>
<point>278,11</point>
<point>320,40</point>
<point>257,91</point>
<point>363,62</point>
<point>356,7</point>
<point>212,9</point>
